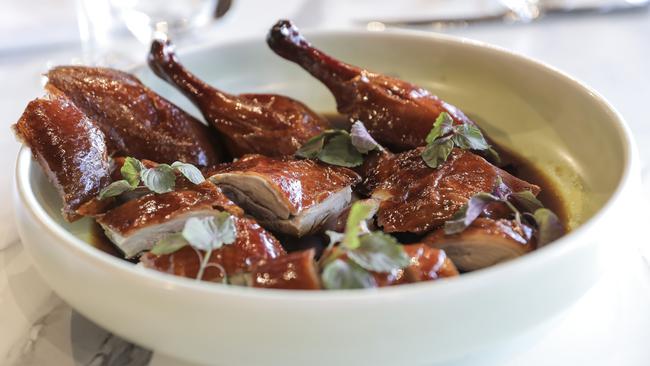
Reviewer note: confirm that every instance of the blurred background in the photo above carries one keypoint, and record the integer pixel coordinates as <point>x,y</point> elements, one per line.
<point>604,43</point>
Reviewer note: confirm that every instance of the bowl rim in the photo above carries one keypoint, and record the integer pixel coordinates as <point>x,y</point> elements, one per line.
<point>160,280</point>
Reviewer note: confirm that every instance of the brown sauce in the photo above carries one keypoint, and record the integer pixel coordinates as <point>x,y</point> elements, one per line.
<point>511,161</point>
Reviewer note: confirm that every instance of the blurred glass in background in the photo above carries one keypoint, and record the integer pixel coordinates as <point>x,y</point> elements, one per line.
<point>116,32</point>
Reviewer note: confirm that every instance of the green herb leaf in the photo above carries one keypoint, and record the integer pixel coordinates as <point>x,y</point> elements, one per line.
<point>437,152</point>
<point>379,252</point>
<point>361,138</point>
<point>160,179</point>
<point>359,213</point>
<point>115,189</point>
<point>335,237</point>
<point>169,244</point>
<point>442,126</point>
<point>493,156</point>
<point>189,171</point>
<point>340,274</point>
<point>314,145</point>
<point>208,233</point>
<point>525,201</point>
<point>131,170</point>
<point>339,151</point>
<point>469,137</point>
<point>470,212</point>
<point>548,226</point>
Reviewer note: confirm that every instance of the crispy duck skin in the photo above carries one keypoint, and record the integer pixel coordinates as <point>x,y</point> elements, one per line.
<point>267,124</point>
<point>136,121</point>
<point>138,224</point>
<point>416,198</point>
<point>290,195</point>
<point>398,114</point>
<point>253,245</point>
<point>484,243</point>
<point>70,148</point>
<point>294,271</point>
<point>427,264</point>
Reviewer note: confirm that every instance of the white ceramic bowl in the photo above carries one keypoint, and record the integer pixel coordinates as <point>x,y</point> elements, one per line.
<point>559,124</point>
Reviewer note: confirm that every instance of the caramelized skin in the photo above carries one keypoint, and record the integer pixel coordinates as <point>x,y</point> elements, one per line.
<point>484,243</point>
<point>426,264</point>
<point>300,183</point>
<point>398,114</point>
<point>490,228</point>
<point>70,148</point>
<point>294,271</point>
<point>416,198</point>
<point>153,208</point>
<point>266,124</point>
<point>252,246</point>
<point>136,121</point>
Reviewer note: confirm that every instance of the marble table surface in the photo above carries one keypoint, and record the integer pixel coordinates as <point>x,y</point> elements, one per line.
<point>610,325</point>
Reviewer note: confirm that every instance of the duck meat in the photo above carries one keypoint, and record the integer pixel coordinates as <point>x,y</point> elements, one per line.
<point>267,124</point>
<point>137,122</point>
<point>70,148</point>
<point>294,271</point>
<point>138,224</point>
<point>286,194</point>
<point>427,264</point>
<point>484,243</point>
<point>398,114</point>
<point>253,245</point>
<point>416,198</point>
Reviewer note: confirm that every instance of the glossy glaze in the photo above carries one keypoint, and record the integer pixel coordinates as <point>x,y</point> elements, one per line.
<point>484,243</point>
<point>137,121</point>
<point>300,183</point>
<point>266,124</point>
<point>398,114</point>
<point>490,228</point>
<point>426,264</point>
<point>70,148</point>
<point>416,198</point>
<point>153,209</point>
<point>294,271</point>
<point>252,246</point>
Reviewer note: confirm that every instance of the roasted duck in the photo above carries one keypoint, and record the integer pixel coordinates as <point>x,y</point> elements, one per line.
<point>138,224</point>
<point>135,120</point>
<point>397,113</point>
<point>416,198</point>
<point>486,242</point>
<point>70,148</point>
<point>286,194</point>
<point>253,246</point>
<point>266,124</point>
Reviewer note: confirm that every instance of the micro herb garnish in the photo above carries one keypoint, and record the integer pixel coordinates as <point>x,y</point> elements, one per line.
<point>202,234</point>
<point>339,147</point>
<point>445,135</point>
<point>159,179</point>
<point>359,252</point>
<point>523,205</point>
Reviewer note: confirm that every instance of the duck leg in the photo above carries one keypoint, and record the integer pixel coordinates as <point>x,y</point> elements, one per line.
<point>267,124</point>
<point>398,114</point>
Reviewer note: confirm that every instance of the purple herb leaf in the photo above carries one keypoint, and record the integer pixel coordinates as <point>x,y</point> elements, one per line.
<point>361,138</point>
<point>470,212</point>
